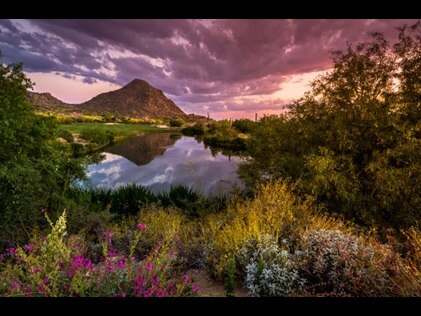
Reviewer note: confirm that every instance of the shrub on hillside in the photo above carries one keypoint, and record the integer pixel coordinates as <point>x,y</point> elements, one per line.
<point>176,122</point>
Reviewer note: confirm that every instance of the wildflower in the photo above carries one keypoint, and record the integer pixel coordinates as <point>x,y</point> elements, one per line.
<point>108,235</point>
<point>45,281</point>
<point>141,227</point>
<point>1,257</point>
<point>195,288</point>
<point>11,251</point>
<point>77,262</point>
<point>149,266</point>
<point>122,263</point>
<point>43,210</point>
<point>29,247</point>
<point>88,264</point>
<point>185,278</point>
<point>112,253</point>
<point>110,267</point>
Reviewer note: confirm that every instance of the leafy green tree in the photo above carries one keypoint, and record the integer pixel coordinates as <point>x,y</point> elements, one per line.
<point>354,140</point>
<point>35,170</point>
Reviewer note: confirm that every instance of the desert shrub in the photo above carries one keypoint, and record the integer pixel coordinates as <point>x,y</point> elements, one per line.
<point>176,122</point>
<point>341,263</point>
<point>229,277</point>
<point>55,266</point>
<point>196,129</point>
<point>65,134</point>
<point>97,136</point>
<point>244,125</point>
<point>266,214</point>
<point>270,270</point>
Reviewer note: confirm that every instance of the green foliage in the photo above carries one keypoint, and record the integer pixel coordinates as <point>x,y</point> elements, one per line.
<point>130,199</point>
<point>353,141</point>
<point>65,135</point>
<point>245,126</point>
<point>176,122</point>
<point>97,136</point>
<point>229,277</point>
<point>35,169</point>
<point>196,129</point>
<point>56,266</point>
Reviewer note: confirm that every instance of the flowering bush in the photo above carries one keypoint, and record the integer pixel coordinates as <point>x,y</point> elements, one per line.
<point>338,263</point>
<point>270,271</point>
<point>55,267</point>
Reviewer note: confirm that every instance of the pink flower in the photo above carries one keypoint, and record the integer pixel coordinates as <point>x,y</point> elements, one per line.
<point>29,247</point>
<point>112,253</point>
<point>43,210</point>
<point>88,264</point>
<point>122,263</point>
<point>149,266</point>
<point>11,251</point>
<point>108,235</point>
<point>141,227</point>
<point>195,288</point>
<point>185,278</point>
<point>45,281</point>
<point>110,267</point>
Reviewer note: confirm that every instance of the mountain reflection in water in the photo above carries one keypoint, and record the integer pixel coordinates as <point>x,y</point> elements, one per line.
<point>159,161</point>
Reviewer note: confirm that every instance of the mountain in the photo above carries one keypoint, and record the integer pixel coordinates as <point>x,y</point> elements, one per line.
<point>45,102</point>
<point>136,99</point>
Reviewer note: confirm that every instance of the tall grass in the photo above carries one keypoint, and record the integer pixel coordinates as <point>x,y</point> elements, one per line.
<point>130,199</point>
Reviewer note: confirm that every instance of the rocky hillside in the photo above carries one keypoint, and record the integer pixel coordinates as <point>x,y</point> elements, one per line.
<point>136,99</point>
<point>45,102</point>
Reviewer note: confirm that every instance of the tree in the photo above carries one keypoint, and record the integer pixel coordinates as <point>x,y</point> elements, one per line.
<point>35,170</point>
<point>353,141</point>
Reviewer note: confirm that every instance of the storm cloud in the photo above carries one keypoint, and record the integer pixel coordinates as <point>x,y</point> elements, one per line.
<point>203,65</point>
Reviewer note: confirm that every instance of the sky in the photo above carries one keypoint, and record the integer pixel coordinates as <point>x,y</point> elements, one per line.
<point>227,68</point>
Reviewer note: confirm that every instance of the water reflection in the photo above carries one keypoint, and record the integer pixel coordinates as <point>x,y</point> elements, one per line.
<point>142,149</point>
<point>161,160</point>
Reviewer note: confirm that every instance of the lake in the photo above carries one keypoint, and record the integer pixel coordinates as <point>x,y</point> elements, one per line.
<point>158,161</point>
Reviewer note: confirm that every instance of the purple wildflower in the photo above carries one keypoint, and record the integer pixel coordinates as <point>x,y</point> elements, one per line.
<point>29,247</point>
<point>185,278</point>
<point>141,227</point>
<point>11,251</point>
<point>195,288</point>
<point>112,253</point>
<point>108,235</point>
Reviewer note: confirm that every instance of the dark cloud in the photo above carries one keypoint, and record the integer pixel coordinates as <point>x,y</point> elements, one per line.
<point>200,64</point>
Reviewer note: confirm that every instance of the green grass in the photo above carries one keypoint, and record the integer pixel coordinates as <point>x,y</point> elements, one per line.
<point>119,130</point>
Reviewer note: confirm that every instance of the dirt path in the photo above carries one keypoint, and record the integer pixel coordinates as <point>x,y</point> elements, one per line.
<point>210,288</point>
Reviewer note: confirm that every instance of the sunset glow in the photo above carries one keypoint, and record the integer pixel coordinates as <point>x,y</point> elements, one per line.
<point>227,68</point>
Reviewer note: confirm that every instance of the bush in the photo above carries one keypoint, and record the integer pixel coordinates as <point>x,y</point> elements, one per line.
<point>339,263</point>
<point>97,136</point>
<point>197,129</point>
<point>270,270</point>
<point>245,126</point>
<point>271,209</point>
<point>65,134</point>
<point>176,122</point>
<point>54,266</point>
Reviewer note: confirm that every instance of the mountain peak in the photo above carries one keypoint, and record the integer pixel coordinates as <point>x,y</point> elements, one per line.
<point>136,99</point>
<point>137,83</point>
